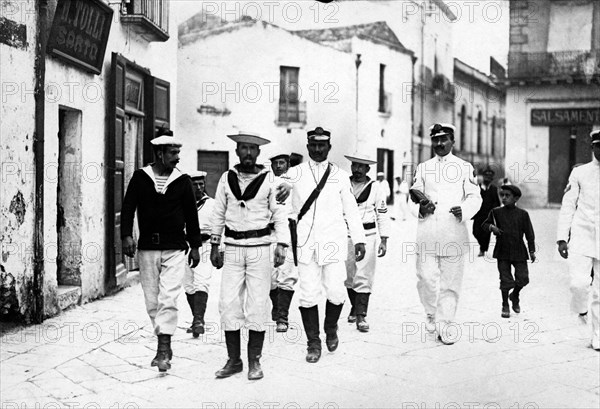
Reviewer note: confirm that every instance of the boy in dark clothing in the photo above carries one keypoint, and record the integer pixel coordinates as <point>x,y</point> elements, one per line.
<point>509,223</point>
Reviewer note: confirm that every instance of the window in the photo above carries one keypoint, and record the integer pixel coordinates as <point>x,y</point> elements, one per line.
<point>149,18</point>
<point>493,141</point>
<point>479,129</point>
<point>382,99</point>
<point>290,108</point>
<point>463,127</point>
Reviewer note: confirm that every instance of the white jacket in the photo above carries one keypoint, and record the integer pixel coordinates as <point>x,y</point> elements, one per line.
<point>448,181</point>
<point>323,228</point>
<point>579,218</point>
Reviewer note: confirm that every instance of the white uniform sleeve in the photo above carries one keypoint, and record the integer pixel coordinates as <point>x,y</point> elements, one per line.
<point>351,214</point>
<point>418,184</point>
<point>568,207</point>
<point>472,196</point>
<point>217,219</point>
<point>382,215</point>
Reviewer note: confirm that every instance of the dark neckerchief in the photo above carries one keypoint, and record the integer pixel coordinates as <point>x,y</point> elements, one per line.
<point>364,195</point>
<point>202,200</point>
<point>251,189</point>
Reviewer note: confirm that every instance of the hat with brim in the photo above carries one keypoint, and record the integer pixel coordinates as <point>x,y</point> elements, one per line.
<point>198,174</point>
<point>361,158</point>
<point>512,188</point>
<point>280,156</point>
<point>380,174</point>
<point>595,135</point>
<point>166,140</point>
<point>318,134</point>
<point>248,137</point>
<point>441,130</point>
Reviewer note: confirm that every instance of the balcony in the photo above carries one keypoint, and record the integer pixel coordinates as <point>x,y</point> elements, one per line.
<point>442,87</point>
<point>148,18</point>
<point>564,65</point>
<point>291,112</point>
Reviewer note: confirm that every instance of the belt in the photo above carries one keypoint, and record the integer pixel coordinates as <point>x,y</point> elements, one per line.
<point>249,234</point>
<point>272,226</point>
<point>204,237</point>
<point>159,238</point>
<point>369,226</point>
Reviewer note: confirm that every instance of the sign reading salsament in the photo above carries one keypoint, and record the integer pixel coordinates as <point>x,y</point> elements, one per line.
<point>80,31</point>
<point>565,116</point>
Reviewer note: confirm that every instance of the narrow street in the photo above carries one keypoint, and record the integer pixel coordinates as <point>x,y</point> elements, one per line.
<point>98,354</point>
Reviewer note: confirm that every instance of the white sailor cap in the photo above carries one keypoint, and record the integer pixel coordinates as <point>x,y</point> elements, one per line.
<point>595,135</point>
<point>363,158</point>
<point>441,129</point>
<point>197,174</point>
<point>248,137</point>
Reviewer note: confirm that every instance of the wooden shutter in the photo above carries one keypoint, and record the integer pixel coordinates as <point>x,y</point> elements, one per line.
<point>158,112</point>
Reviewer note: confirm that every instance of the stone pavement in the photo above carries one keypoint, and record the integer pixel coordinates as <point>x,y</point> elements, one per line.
<point>98,354</point>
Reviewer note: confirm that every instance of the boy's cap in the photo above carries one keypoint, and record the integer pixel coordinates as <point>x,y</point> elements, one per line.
<point>512,188</point>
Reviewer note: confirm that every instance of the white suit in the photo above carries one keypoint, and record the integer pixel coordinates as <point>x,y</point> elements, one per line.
<point>579,226</point>
<point>198,278</point>
<point>322,232</point>
<point>443,240</point>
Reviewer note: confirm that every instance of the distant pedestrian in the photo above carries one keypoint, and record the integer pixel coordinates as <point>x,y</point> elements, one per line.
<point>245,203</point>
<point>373,211</point>
<point>196,281</point>
<point>509,223</point>
<point>490,200</point>
<point>383,185</point>
<point>452,197</point>
<point>401,198</point>
<point>164,200</point>
<point>578,237</point>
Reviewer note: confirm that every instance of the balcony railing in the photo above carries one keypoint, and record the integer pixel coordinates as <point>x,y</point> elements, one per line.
<point>556,65</point>
<point>149,18</point>
<point>292,112</point>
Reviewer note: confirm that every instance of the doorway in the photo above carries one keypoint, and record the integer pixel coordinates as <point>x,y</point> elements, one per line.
<point>214,163</point>
<point>385,164</point>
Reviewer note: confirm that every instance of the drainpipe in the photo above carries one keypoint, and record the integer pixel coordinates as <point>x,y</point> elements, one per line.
<point>38,157</point>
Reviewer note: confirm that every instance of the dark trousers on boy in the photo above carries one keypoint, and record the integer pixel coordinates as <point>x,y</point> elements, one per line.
<point>516,284</point>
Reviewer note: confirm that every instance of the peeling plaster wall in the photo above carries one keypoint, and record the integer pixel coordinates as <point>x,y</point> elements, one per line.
<point>17,171</point>
<point>70,87</point>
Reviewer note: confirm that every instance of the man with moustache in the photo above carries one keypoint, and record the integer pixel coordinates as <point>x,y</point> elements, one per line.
<point>490,200</point>
<point>164,200</point>
<point>442,242</point>
<point>245,202</point>
<point>372,207</point>
<point>325,210</point>
<point>284,277</point>
<point>578,237</point>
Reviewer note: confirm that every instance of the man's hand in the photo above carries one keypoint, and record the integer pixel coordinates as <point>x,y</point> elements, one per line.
<point>532,256</point>
<point>426,207</point>
<point>194,257</point>
<point>495,230</point>
<point>457,212</point>
<point>128,246</point>
<point>563,249</point>
<point>283,192</point>
<point>382,247</point>
<point>359,251</point>
<point>216,258</point>
<point>279,254</point>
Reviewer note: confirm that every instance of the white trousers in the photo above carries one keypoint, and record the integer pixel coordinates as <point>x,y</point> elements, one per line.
<point>439,284</point>
<point>161,273</point>
<point>401,206</point>
<point>580,268</point>
<point>360,276</point>
<point>198,278</point>
<point>314,277</point>
<point>245,285</point>
<point>285,276</point>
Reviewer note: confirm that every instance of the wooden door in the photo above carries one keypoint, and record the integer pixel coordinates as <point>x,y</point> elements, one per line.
<point>215,163</point>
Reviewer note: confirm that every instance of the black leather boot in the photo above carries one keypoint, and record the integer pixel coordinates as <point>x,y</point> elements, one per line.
<point>273,295</point>
<point>163,352</point>
<point>234,363</point>
<point>200,300</point>
<point>310,320</point>
<point>514,298</point>
<point>283,309</point>
<point>362,304</point>
<point>352,298</point>
<point>332,315</point>
<point>255,346</point>
<point>190,300</point>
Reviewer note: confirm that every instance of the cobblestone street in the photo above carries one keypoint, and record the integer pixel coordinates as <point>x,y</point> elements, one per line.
<point>98,354</point>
